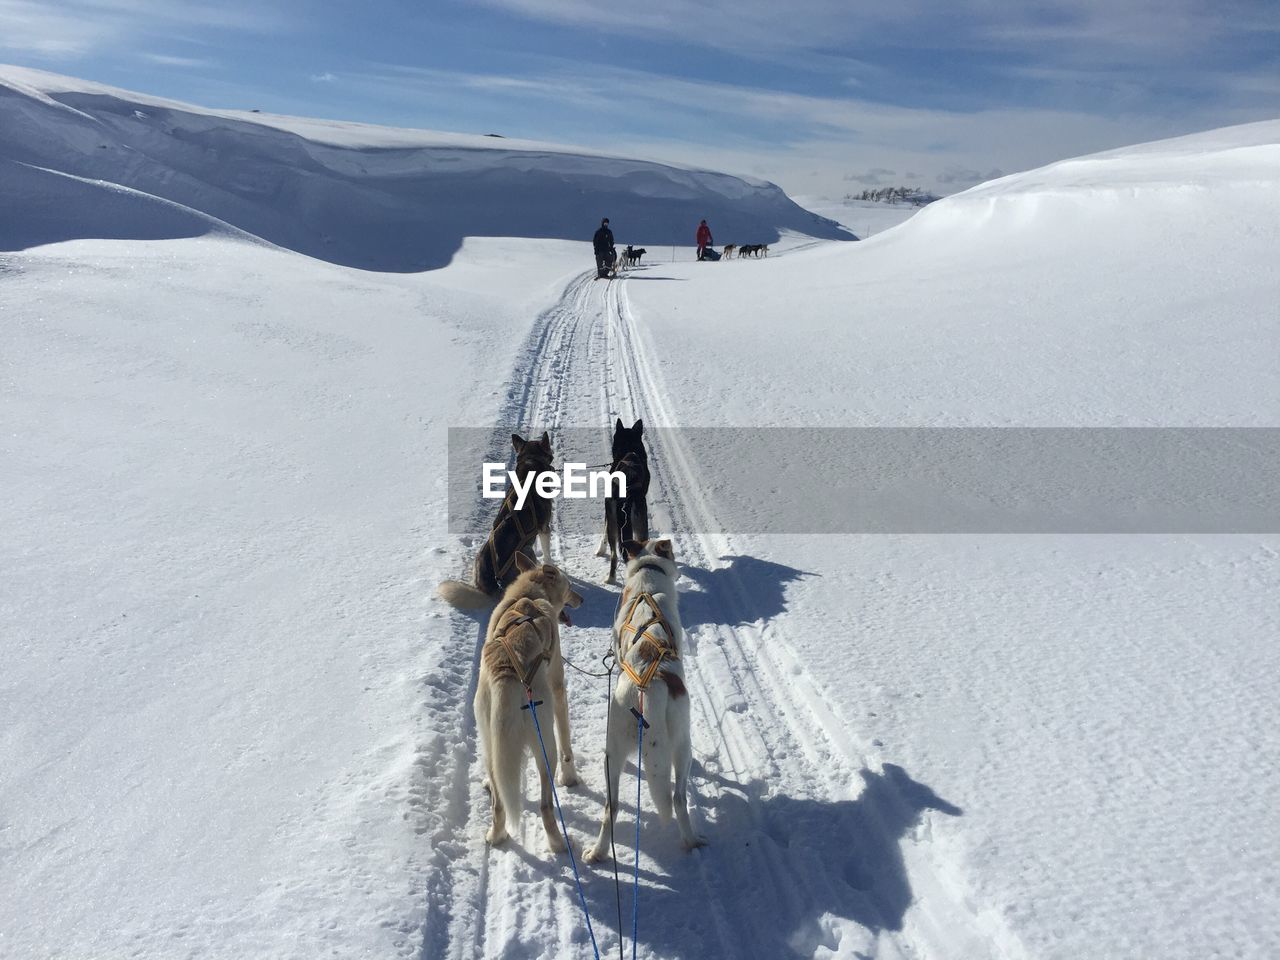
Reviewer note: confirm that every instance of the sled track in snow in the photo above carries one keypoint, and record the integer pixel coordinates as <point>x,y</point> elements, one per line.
<point>759,716</point>
<point>448,792</point>
<point>801,856</point>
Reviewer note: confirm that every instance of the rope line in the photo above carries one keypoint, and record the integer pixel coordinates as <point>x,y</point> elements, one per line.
<point>587,673</point>
<point>573,861</point>
<point>635,896</point>
<point>612,812</point>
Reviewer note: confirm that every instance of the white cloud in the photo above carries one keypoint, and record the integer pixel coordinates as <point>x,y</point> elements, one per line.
<point>71,29</point>
<point>874,177</point>
<point>169,60</point>
<point>780,136</point>
<point>325,77</point>
<point>1094,31</point>
<point>47,31</point>
<point>954,176</point>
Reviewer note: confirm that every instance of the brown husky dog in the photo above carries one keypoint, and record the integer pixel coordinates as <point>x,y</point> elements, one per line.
<point>521,661</point>
<point>513,532</point>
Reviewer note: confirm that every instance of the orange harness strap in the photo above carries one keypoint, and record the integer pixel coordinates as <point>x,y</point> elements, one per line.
<point>665,651</point>
<point>516,663</point>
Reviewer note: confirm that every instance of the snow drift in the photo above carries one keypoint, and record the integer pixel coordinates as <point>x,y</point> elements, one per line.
<point>363,196</point>
<point>1181,182</point>
<point>1136,287</point>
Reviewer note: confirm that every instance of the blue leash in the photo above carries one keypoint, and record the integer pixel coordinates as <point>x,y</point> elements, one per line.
<point>573,861</point>
<point>641,723</point>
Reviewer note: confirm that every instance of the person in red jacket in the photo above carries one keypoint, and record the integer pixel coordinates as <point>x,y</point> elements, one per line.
<point>704,238</point>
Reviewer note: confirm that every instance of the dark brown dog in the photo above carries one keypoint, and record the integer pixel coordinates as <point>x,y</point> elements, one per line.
<point>513,531</point>
<point>627,518</point>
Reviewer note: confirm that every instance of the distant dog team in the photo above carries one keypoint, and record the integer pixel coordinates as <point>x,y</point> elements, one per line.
<point>630,256</point>
<point>755,250</point>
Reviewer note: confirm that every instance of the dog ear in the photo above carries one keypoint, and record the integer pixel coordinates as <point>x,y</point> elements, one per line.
<point>546,440</point>
<point>638,426</point>
<point>633,548</point>
<point>524,564</point>
<point>517,442</point>
<point>617,427</point>
<point>663,548</point>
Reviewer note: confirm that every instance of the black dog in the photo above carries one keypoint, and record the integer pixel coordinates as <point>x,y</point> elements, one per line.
<point>631,256</point>
<point>627,518</point>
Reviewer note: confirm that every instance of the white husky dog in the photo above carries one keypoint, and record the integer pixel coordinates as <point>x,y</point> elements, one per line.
<point>647,638</point>
<point>521,656</point>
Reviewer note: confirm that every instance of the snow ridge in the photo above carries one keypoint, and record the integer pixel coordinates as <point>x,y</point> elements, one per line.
<point>362,196</point>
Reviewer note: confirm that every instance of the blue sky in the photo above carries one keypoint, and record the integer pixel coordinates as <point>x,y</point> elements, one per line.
<point>822,96</point>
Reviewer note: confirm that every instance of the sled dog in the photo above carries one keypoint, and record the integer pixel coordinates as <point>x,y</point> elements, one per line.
<point>626,518</point>
<point>728,250</point>
<point>647,641</point>
<point>521,656</point>
<point>513,532</point>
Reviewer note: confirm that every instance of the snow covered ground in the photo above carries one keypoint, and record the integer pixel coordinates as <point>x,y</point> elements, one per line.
<point>235,721</point>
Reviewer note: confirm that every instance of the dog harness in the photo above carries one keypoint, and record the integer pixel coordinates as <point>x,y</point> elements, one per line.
<point>526,524</point>
<point>642,635</point>
<point>526,679</point>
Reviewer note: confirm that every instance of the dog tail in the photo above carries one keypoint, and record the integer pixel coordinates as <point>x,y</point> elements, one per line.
<point>463,595</point>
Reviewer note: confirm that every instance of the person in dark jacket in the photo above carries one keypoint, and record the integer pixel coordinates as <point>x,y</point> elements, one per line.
<point>704,238</point>
<point>606,255</point>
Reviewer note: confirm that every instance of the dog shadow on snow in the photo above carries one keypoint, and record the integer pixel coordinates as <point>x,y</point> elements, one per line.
<point>598,604</point>
<point>746,591</point>
<point>778,871</point>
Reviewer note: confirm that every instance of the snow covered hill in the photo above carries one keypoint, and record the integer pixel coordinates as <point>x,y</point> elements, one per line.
<point>83,160</point>
<point>235,721</point>
<point>1135,287</point>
